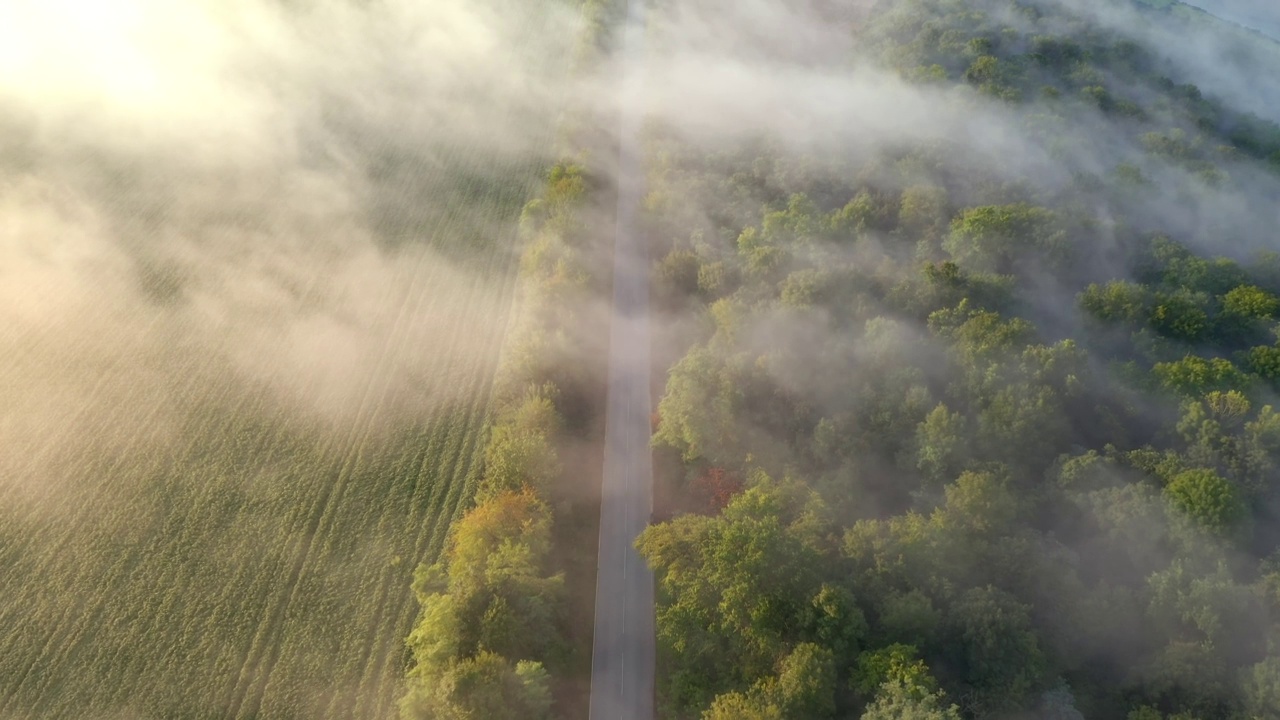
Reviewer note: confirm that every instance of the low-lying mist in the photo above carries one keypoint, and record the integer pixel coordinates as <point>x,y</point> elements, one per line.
<point>257,259</point>
<point>256,265</point>
<point>920,266</point>
<point>266,185</point>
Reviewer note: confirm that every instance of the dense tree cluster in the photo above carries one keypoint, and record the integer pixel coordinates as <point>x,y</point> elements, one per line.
<point>1009,447</point>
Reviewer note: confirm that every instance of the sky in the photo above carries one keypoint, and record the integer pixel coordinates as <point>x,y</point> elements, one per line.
<point>1258,15</point>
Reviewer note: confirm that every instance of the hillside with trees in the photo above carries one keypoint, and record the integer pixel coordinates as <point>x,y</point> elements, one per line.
<point>979,425</point>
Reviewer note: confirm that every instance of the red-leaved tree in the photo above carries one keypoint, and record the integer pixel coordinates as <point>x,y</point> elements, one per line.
<point>716,487</point>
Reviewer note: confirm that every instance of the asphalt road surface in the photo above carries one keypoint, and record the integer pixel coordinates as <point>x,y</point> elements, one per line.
<point>622,662</point>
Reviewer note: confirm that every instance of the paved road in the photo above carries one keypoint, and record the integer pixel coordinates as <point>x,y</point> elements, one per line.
<point>622,663</point>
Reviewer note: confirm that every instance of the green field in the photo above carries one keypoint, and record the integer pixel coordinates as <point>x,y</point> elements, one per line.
<point>251,562</point>
<point>185,534</point>
<point>247,366</point>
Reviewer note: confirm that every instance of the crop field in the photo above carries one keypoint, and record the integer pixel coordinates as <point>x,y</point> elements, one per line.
<point>197,547</point>
<point>205,550</point>
<point>251,311</point>
<point>221,462</point>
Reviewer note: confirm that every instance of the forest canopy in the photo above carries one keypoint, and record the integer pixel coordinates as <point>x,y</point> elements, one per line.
<point>970,434</point>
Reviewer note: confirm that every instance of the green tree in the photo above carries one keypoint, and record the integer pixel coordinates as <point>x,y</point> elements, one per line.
<point>979,336</point>
<point>923,216</point>
<point>520,453</point>
<point>834,620</point>
<point>866,212</point>
<point>1252,302</point>
<point>806,682</point>
<point>1180,316</point>
<point>1191,677</point>
<point>981,502</point>
<point>1116,302</point>
<point>742,588</point>
<point>744,706</point>
<point>1194,376</point>
<point>942,445</point>
<point>714,278</point>
<point>804,288</point>
<point>484,686</point>
<point>1224,433</point>
<point>1190,602</point>
<point>943,285</point>
<point>1246,312</point>
<point>493,590</point>
<point>908,617</point>
<point>1088,472</point>
<point>897,701</point>
<point>897,664</point>
<point>1264,361</point>
<point>762,254</point>
<point>994,647</point>
<point>1023,425</point>
<point>678,272</point>
<point>998,237</point>
<point>700,407</point>
<point>1206,498</point>
<point>1174,145</point>
<point>1261,683</point>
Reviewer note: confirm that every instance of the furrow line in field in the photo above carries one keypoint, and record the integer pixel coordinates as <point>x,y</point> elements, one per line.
<point>178,572</point>
<point>361,429</point>
<point>370,646</point>
<point>85,403</point>
<point>412,309</point>
<point>72,528</point>
<point>274,614</point>
<point>119,576</point>
<point>269,628</point>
